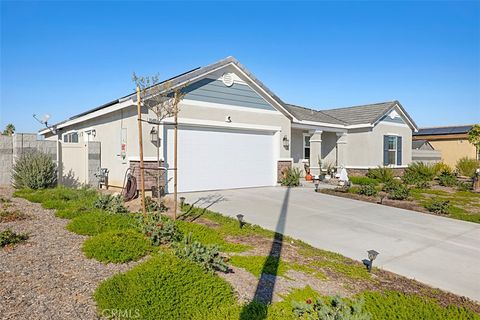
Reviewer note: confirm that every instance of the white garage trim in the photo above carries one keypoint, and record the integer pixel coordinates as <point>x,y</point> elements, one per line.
<point>221,124</point>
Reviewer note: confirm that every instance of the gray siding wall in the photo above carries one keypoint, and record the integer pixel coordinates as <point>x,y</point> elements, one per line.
<point>211,90</point>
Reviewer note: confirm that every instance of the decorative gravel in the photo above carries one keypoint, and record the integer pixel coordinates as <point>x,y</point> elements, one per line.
<point>48,276</point>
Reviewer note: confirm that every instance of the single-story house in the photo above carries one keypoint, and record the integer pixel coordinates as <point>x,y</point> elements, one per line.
<point>423,151</point>
<point>451,141</point>
<point>233,133</point>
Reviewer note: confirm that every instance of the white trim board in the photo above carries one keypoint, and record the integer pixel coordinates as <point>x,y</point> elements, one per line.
<point>221,124</point>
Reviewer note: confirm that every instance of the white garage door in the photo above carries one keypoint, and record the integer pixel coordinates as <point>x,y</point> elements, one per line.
<point>214,159</point>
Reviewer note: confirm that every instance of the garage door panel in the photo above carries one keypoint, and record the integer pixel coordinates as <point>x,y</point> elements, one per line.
<point>213,159</point>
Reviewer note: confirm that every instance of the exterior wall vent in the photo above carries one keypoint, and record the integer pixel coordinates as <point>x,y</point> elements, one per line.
<point>227,79</point>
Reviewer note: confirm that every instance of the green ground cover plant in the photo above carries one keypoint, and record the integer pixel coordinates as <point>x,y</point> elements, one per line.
<point>117,246</point>
<point>209,236</point>
<point>68,202</point>
<point>363,181</point>
<point>256,264</point>
<point>397,305</point>
<point>166,287</point>
<point>93,223</point>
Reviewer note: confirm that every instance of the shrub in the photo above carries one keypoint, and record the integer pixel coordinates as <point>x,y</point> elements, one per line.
<point>422,185</point>
<point>8,237</point>
<point>153,206</point>
<point>466,166</point>
<point>117,246</point>
<point>159,228</point>
<point>111,203</point>
<point>331,308</point>
<point>464,186</point>
<point>363,181</point>
<point>34,170</point>
<point>166,287</point>
<point>367,190</point>
<point>418,172</point>
<point>440,167</point>
<point>437,205</point>
<point>291,177</point>
<point>447,179</point>
<point>96,222</point>
<point>398,191</point>
<point>9,216</point>
<point>208,257</point>
<point>382,174</point>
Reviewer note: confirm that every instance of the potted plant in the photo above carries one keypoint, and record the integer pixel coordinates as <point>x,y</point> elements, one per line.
<point>308,176</point>
<point>329,168</point>
<point>322,175</point>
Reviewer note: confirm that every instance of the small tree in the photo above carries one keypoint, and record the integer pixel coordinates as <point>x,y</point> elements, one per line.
<point>474,137</point>
<point>163,100</point>
<point>9,130</point>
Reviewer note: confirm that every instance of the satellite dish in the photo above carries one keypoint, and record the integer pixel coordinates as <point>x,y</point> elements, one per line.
<point>45,118</point>
<point>44,121</point>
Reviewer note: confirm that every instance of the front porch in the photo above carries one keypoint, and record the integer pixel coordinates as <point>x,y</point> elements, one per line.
<point>319,147</point>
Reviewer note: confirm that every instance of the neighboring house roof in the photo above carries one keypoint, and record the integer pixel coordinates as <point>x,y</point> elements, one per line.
<point>447,130</point>
<point>302,113</point>
<point>421,144</point>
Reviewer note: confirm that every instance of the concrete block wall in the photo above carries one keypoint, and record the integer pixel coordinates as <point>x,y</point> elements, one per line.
<point>6,159</point>
<point>11,147</point>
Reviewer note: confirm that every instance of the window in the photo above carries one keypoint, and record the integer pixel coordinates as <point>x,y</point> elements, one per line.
<point>306,146</point>
<point>392,150</point>
<point>70,137</point>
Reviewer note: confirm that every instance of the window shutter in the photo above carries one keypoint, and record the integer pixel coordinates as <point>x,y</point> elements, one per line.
<point>385,150</point>
<point>399,151</point>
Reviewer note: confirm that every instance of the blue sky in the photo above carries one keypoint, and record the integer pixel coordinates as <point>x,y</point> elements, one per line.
<point>63,58</point>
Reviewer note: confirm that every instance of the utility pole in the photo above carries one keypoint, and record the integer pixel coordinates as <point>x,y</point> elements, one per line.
<point>175,160</point>
<point>140,147</point>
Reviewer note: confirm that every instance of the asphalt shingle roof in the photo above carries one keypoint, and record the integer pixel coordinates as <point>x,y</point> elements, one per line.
<point>368,113</point>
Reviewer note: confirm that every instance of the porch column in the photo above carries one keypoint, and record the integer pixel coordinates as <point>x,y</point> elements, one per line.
<point>315,151</point>
<point>341,149</point>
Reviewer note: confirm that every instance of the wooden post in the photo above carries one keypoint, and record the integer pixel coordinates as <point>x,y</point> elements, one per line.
<point>175,153</point>
<point>140,147</point>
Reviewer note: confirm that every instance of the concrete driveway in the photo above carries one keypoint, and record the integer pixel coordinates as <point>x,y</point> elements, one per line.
<point>441,252</point>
